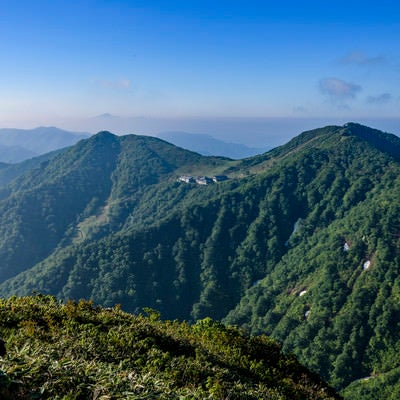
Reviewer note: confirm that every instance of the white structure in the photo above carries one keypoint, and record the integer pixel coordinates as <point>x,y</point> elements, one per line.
<point>366,265</point>
<point>186,179</point>
<point>203,180</point>
<point>219,178</point>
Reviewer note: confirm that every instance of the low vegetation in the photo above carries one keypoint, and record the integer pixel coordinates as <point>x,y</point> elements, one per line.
<point>78,351</point>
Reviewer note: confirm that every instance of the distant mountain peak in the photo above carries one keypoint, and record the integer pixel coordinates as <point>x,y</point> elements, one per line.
<point>104,133</point>
<point>106,116</point>
<point>20,144</point>
<point>39,128</point>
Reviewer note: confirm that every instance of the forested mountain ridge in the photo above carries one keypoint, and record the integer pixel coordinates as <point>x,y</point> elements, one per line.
<point>105,175</point>
<point>300,243</point>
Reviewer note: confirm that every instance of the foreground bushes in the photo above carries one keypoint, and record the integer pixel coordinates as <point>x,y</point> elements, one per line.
<point>79,351</point>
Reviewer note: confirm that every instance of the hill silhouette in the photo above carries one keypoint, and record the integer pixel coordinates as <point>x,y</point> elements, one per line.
<point>17,145</point>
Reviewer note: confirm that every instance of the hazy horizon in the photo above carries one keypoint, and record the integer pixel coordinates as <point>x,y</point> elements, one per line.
<point>252,132</point>
<point>254,73</point>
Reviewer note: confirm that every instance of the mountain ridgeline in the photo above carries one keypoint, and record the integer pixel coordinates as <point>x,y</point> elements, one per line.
<point>300,243</point>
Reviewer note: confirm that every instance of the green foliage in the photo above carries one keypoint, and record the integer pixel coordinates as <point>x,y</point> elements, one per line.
<point>78,351</point>
<point>9,172</point>
<point>380,386</point>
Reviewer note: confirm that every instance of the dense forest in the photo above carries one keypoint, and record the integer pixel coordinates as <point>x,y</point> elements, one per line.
<point>300,243</point>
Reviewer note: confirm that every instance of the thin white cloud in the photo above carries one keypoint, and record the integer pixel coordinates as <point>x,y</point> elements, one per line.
<point>383,98</point>
<point>338,90</point>
<point>360,58</point>
<point>124,83</point>
<point>300,109</point>
<point>114,84</point>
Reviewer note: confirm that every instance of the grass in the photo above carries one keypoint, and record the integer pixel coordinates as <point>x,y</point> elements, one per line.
<point>78,351</point>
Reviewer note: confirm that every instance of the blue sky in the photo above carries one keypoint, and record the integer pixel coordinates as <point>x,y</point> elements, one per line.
<point>185,64</point>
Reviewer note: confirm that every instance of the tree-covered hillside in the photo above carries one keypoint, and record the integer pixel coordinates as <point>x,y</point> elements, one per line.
<point>85,190</point>
<point>301,243</point>
<point>78,351</point>
<point>9,172</point>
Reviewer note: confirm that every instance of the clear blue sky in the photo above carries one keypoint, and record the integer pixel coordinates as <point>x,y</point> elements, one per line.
<point>201,60</point>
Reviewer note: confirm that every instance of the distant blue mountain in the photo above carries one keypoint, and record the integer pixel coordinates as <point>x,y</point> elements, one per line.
<point>210,146</point>
<point>15,154</point>
<point>20,144</point>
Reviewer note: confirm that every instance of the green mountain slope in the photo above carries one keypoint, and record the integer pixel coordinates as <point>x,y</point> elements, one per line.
<point>77,351</point>
<point>9,172</point>
<point>301,243</point>
<point>87,189</point>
